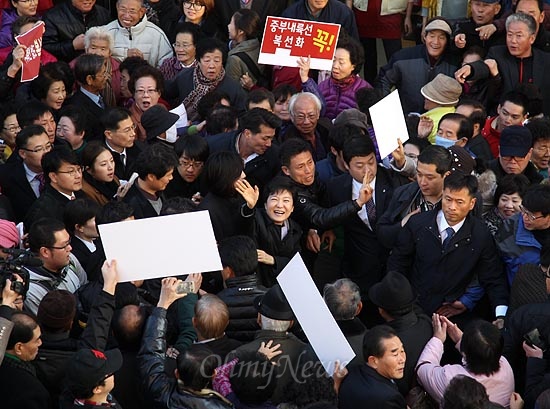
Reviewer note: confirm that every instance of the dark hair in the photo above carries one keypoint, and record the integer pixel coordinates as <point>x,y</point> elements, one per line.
<point>516,98</point>
<point>256,117</point>
<point>50,73</point>
<point>283,92</point>
<point>130,64</point>
<point>209,102</point>
<point>157,160</point>
<point>511,184</point>
<point>196,366</point>
<point>221,171</point>
<point>23,328</point>
<point>78,212</point>
<point>194,147</point>
<point>30,112</point>
<point>90,153</point>
<point>189,28</point>
<point>339,134</point>
<point>457,181</point>
<point>77,117</point>
<point>342,298</point>
<point>248,21</point>
<point>208,4</point>
<point>465,125</point>
<point>475,50</point>
<point>280,184</point>
<point>253,379</point>
<point>360,146</point>
<point>258,95</point>
<point>292,147</point>
<point>438,156</point>
<point>113,116</point>
<point>221,118</point>
<point>240,254</point>
<point>54,159</point>
<point>87,64</point>
<point>26,133</point>
<point>113,212</point>
<point>478,115</point>
<point>177,205</point>
<point>21,21</point>
<point>367,97</point>
<point>540,129</point>
<point>482,346</point>
<point>543,401</point>
<point>534,97</point>
<point>465,392</point>
<point>209,45</point>
<point>42,233</point>
<point>355,50</point>
<point>540,3</point>
<point>146,71</point>
<point>420,143</point>
<point>7,109</point>
<point>312,385</point>
<point>537,199</point>
<point>127,325</point>
<point>372,343</point>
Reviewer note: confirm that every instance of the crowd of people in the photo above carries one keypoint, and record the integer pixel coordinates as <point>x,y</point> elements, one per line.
<point>434,260</point>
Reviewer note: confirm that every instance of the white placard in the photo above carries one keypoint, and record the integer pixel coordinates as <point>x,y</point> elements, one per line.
<point>389,123</point>
<point>164,246</point>
<point>312,313</point>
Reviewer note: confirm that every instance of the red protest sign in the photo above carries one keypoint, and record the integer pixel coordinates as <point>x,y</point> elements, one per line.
<point>286,39</point>
<point>32,39</point>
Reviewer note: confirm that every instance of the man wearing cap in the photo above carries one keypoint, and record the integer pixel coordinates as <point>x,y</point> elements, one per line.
<point>395,300</point>
<point>411,68</point>
<point>523,235</point>
<point>516,148</point>
<point>157,121</point>
<point>440,97</point>
<point>9,237</point>
<point>253,141</point>
<point>373,383</point>
<point>468,33</point>
<point>517,63</point>
<point>275,318</point>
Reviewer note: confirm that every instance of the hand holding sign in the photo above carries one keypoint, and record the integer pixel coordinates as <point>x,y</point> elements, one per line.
<point>32,40</point>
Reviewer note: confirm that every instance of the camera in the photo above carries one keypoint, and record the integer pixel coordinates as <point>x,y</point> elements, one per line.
<point>15,264</point>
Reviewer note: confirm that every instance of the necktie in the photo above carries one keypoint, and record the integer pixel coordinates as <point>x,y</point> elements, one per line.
<point>371,212</point>
<point>450,233</point>
<point>123,159</point>
<point>100,102</point>
<point>41,180</point>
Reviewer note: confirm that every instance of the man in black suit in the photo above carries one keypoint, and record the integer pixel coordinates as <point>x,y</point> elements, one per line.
<point>120,139</point>
<point>364,257</point>
<point>91,72</point>
<point>22,181</point>
<point>373,382</point>
<point>253,142</point>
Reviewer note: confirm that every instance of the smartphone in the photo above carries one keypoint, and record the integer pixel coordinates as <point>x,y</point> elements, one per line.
<point>185,287</point>
<point>533,338</point>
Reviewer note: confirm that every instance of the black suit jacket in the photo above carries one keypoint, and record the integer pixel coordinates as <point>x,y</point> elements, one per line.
<point>93,112</point>
<point>14,184</point>
<point>364,257</point>
<point>142,208</point>
<point>123,172</point>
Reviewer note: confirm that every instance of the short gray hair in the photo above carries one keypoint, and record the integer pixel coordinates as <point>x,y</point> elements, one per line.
<point>98,33</point>
<point>526,19</point>
<point>271,324</point>
<point>342,298</point>
<point>299,95</point>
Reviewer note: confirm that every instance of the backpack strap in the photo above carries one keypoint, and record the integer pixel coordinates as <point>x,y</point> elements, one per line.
<point>253,68</point>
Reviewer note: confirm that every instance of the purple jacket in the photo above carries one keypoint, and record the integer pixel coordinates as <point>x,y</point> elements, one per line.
<point>335,98</point>
<point>8,17</point>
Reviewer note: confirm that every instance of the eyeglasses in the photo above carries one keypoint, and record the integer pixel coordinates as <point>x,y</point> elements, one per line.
<point>128,130</point>
<point>146,91</point>
<point>196,6</point>
<point>12,129</point>
<point>131,12</point>
<point>61,247</point>
<point>529,214</point>
<point>72,172</point>
<point>28,1</point>
<point>511,158</point>
<point>302,117</point>
<point>191,163</point>
<point>38,149</point>
<point>180,45</point>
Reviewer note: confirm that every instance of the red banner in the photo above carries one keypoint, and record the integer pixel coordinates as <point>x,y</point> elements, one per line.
<point>32,39</point>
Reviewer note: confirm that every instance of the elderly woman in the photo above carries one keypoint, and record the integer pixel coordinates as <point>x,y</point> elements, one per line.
<point>481,347</point>
<point>338,91</point>
<point>507,201</point>
<point>187,35</point>
<point>411,68</point>
<point>209,75</point>
<point>9,15</point>
<point>72,128</point>
<point>52,85</point>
